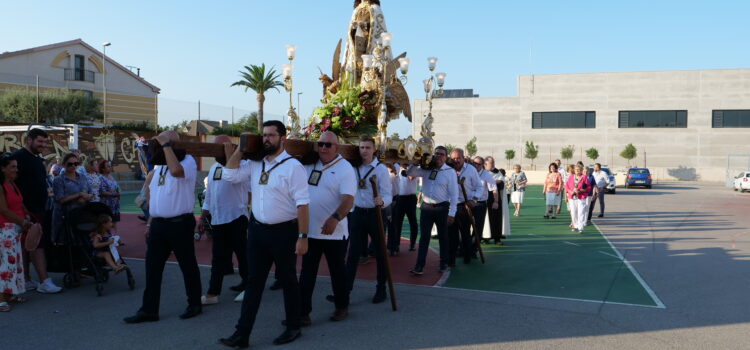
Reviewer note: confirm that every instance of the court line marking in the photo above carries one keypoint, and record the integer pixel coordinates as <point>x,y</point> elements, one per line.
<point>571,243</point>
<point>608,254</point>
<point>635,273</point>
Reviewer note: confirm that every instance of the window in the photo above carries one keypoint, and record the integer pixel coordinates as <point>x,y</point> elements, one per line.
<point>653,119</point>
<point>738,118</point>
<point>563,120</point>
<point>79,72</point>
<point>638,171</point>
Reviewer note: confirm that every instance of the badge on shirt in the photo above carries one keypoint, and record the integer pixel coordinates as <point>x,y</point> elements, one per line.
<point>217,173</point>
<point>363,184</point>
<point>433,175</point>
<point>314,177</point>
<point>263,178</point>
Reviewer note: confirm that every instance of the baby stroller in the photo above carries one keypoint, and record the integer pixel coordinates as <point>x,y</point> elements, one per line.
<point>79,223</point>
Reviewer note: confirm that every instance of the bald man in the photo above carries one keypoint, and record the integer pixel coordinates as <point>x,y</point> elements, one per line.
<point>225,208</point>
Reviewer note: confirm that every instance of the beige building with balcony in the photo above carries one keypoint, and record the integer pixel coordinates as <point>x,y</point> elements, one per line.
<point>685,124</point>
<point>76,65</point>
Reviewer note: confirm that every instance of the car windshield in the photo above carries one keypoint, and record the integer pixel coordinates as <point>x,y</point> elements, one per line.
<point>638,171</point>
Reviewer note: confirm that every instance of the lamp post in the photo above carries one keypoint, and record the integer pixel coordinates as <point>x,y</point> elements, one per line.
<point>434,85</point>
<point>104,77</point>
<point>380,58</point>
<point>286,71</point>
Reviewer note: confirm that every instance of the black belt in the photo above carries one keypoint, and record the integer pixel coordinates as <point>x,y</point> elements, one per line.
<point>255,221</point>
<point>177,218</point>
<point>366,210</point>
<point>437,205</point>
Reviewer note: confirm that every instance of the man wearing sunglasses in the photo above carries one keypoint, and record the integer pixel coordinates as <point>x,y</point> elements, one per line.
<point>332,184</point>
<point>440,197</point>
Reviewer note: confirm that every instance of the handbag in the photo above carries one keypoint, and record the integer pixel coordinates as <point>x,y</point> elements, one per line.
<point>33,236</point>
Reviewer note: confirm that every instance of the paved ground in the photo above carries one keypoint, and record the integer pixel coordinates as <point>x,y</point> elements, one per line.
<point>688,241</point>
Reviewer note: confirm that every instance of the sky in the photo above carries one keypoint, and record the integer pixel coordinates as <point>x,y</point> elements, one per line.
<point>193,50</point>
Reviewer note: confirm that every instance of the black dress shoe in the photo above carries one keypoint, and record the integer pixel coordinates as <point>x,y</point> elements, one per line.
<point>238,288</point>
<point>379,296</point>
<point>304,321</point>
<point>276,285</point>
<point>237,340</point>
<point>330,298</point>
<point>141,316</point>
<point>142,218</point>
<point>600,216</point>
<point>288,336</point>
<point>191,311</point>
<point>340,315</point>
<point>411,249</point>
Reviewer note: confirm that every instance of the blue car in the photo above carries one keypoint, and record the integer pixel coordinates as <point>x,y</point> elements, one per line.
<point>638,177</point>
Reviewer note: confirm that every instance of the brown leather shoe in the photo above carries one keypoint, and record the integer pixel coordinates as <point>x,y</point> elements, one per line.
<point>340,315</point>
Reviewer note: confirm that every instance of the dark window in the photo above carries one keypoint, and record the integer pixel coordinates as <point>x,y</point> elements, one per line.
<point>563,120</point>
<point>653,119</point>
<point>79,73</point>
<point>731,118</point>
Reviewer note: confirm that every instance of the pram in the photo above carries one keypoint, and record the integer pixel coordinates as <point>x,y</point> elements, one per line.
<point>79,223</point>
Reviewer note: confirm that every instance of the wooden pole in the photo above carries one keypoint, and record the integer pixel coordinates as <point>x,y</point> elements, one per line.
<point>477,234</point>
<point>381,235</point>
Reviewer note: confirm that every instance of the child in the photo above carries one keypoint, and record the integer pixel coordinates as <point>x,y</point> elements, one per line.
<point>102,239</point>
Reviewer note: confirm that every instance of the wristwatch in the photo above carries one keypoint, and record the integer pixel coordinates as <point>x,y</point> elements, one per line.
<point>336,216</point>
<point>302,235</point>
<point>167,144</point>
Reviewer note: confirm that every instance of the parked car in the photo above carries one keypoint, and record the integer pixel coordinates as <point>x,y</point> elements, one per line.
<point>638,177</point>
<point>612,187</point>
<point>742,181</point>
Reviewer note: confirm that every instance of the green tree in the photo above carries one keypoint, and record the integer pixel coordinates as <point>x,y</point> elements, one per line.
<point>248,123</point>
<point>531,152</point>
<point>510,155</point>
<point>629,152</point>
<point>450,148</point>
<point>260,80</point>
<point>471,147</point>
<point>55,107</point>
<point>567,152</point>
<point>592,153</point>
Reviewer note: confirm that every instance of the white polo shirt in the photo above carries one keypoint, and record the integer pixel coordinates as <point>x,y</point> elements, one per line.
<point>488,184</point>
<point>472,184</point>
<point>276,201</point>
<point>337,179</point>
<point>364,196</point>
<point>601,178</point>
<point>177,195</point>
<point>444,188</point>
<point>225,201</point>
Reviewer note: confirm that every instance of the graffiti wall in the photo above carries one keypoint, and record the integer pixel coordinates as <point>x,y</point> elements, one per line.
<point>117,146</point>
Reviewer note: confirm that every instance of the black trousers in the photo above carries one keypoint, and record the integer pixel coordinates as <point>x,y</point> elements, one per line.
<point>227,239</point>
<point>266,245</point>
<point>164,237</point>
<point>363,224</point>
<point>480,212</point>
<point>393,239</point>
<point>430,215</point>
<point>406,206</point>
<point>461,229</point>
<point>496,217</point>
<point>334,251</point>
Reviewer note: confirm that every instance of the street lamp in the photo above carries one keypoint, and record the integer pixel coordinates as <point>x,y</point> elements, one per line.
<point>286,71</point>
<point>104,77</point>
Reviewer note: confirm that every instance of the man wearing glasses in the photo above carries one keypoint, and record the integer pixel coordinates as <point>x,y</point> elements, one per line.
<point>332,185</point>
<point>440,198</point>
<point>278,229</point>
<point>461,228</point>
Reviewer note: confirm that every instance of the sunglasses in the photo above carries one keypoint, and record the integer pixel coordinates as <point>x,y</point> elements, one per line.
<point>325,144</point>
<point>440,155</point>
<point>73,164</point>
<point>478,163</point>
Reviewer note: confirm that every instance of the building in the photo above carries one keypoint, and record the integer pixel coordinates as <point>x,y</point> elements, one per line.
<point>76,65</point>
<point>685,124</point>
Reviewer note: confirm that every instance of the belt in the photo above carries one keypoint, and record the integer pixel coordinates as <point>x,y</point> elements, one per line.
<point>177,218</point>
<point>255,221</point>
<point>437,205</point>
<point>366,210</point>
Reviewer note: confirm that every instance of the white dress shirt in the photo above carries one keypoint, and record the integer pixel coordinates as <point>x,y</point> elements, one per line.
<point>337,180</point>
<point>407,187</point>
<point>177,195</point>
<point>601,178</point>
<point>472,184</point>
<point>225,201</point>
<point>444,188</point>
<point>385,187</point>
<point>488,184</point>
<point>277,201</point>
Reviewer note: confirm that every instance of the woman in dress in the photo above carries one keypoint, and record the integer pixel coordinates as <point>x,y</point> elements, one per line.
<point>577,189</point>
<point>71,192</point>
<point>14,219</point>
<point>518,182</point>
<point>109,191</point>
<point>94,179</point>
<point>553,185</point>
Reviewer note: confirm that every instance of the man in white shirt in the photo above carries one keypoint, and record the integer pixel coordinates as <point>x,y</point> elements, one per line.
<point>564,174</point>
<point>363,222</point>
<point>440,197</point>
<point>279,224</point>
<point>488,185</point>
<point>225,207</point>
<point>332,185</point>
<point>461,228</point>
<point>602,180</point>
<point>170,229</point>
<point>406,205</point>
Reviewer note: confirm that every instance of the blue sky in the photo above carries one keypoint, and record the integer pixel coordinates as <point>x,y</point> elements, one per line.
<point>192,50</point>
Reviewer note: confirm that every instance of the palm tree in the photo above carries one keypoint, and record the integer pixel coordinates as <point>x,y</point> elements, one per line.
<point>257,79</point>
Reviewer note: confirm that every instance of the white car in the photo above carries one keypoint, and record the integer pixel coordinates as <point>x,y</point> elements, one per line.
<point>742,182</point>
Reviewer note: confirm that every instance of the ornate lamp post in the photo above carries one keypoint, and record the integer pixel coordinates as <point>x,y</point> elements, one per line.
<point>293,124</point>
<point>377,65</point>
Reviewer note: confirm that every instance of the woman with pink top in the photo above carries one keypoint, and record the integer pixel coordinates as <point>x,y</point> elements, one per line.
<point>577,189</point>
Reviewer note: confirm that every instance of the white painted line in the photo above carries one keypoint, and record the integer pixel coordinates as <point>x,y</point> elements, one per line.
<point>575,244</point>
<point>531,234</point>
<point>633,271</point>
<point>612,255</point>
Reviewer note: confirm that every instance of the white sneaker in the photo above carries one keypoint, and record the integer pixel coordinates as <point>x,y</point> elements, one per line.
<point>240,297</point>
<point>31,285</point>
<point>47,287</point>
<point>209,300</point>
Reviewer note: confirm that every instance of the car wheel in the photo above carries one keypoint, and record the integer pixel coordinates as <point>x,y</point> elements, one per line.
<point>613,191</point>
<point>735,189</point>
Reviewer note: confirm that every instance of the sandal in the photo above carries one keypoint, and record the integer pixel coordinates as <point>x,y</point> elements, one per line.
<point>4,307</point>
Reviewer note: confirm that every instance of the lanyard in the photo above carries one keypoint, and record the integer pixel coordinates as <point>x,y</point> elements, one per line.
<point>315,175</point>
<point>362,182</point>
<point>163,175</point>
<point>264,175</point>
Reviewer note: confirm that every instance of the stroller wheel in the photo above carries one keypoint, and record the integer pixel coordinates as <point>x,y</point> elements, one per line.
<point>99,289</point>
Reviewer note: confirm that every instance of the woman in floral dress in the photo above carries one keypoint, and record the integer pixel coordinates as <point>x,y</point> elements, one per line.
<point>13,219</point>
<point>109,191</point>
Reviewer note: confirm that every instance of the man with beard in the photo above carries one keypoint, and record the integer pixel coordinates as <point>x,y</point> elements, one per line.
<point>363,219</point>
<point>226,208</point>
<point>462,226</point>
<point>332,186</point>
<point>278,226</point>
<point>440,196</point>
